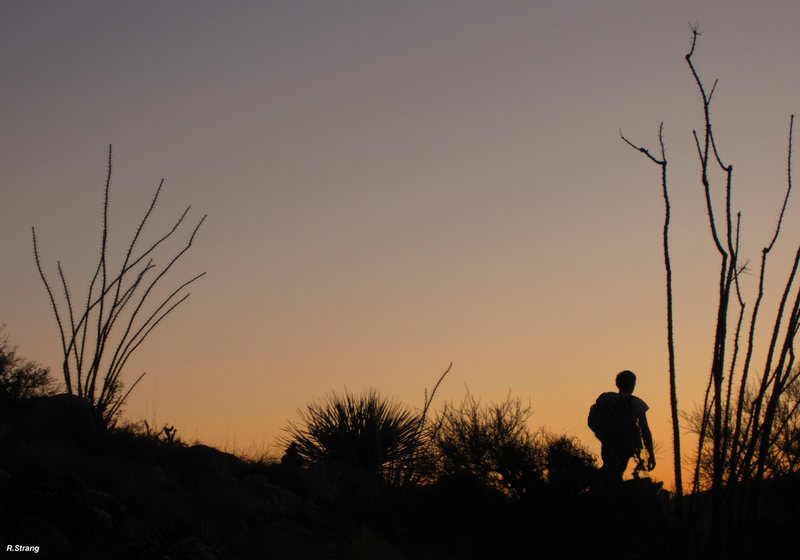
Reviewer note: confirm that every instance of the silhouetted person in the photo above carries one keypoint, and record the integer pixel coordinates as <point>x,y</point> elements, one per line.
<point>619,420</point>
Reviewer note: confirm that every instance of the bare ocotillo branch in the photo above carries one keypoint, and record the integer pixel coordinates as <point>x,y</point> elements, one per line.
<point>676,436</point>
<point>740,431</point>
<point>113,298</point>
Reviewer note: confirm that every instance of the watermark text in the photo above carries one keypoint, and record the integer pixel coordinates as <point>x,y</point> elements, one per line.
<point>22,548</point>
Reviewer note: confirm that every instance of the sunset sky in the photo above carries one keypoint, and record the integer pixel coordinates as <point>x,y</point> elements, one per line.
<point>391,187</point>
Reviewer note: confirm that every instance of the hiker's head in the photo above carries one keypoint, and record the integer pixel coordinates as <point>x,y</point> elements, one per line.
<point>626,381</point>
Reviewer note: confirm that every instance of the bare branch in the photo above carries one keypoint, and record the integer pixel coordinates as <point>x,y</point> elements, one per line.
<point>109,296</point>
<point>676,436</point>
<point>67,376</point>
<point>645,151</point>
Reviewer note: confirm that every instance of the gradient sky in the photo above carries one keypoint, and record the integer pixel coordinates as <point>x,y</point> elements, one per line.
<point>391,187</point>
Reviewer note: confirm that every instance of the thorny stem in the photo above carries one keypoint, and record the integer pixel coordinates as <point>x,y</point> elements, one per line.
<point>108,298</point>
<point>676,441</point>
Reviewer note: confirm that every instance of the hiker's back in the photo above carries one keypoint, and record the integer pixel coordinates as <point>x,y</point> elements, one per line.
<point>613,421</point>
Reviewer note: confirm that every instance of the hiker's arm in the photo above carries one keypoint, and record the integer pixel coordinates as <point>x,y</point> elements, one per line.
<point>647,437</point>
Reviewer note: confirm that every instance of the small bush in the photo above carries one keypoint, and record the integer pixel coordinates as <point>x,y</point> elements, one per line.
<point>570,466</point>
<point>21,378</point>
<point>492,442</point>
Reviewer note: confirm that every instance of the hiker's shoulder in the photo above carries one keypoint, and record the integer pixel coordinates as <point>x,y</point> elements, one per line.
<point>639,405</point>
<point>607,397</point>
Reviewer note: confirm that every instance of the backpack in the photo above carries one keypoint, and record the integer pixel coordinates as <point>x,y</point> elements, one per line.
<point>613,422</point>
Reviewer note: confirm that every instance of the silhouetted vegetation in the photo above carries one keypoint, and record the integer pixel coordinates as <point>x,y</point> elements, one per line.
<point>491,442</point>
<point>783,452</point>
<point>93,354</point>
<point>19,377</point>
<point>744,424</point>
<point>353,433</point>
<point>570,466</point>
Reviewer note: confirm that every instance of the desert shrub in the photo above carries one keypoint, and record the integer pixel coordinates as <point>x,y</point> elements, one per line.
<point>144,435</point>
<point>781,456</point>
<point>491,442</point>
<point>570,465</point>
<point>21,378</point>
<point>364,434</point>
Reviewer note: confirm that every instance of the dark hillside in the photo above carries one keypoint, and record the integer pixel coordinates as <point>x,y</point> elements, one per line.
<point>78,490</point>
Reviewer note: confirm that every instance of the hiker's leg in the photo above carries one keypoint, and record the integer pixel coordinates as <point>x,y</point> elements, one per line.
<point>614,463</point>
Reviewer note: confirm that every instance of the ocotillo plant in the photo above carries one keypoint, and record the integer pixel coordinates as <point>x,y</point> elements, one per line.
<point>94,354</point>
<point>740,418</point>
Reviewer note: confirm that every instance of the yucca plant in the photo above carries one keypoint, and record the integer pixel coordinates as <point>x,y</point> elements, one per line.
<point>364,433</point>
